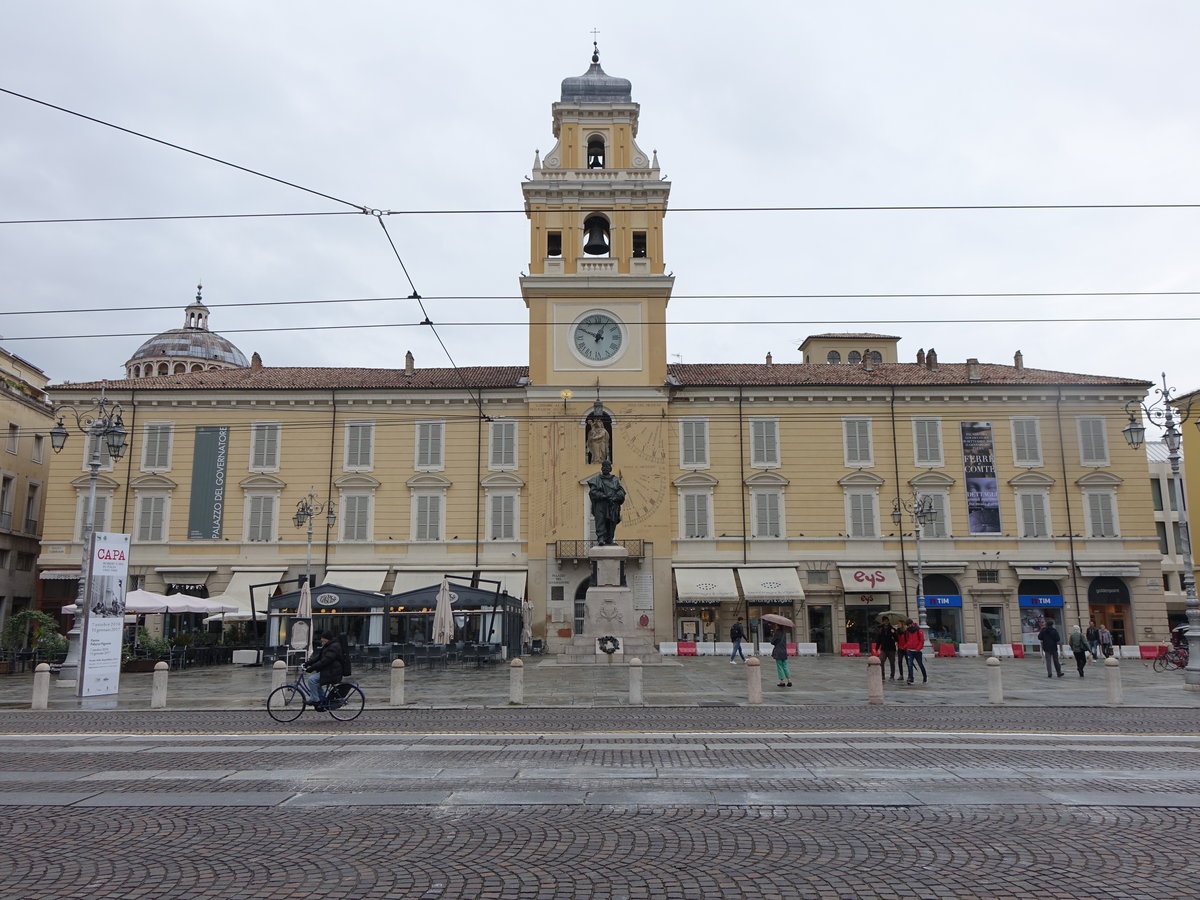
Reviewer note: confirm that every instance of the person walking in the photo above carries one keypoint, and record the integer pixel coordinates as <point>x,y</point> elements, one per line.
<point>885,640</point>
<point>914,649</point>
<point>1049,638</point>
<point>1093,638</point>
<point>779,653</point>
<point>736,634</point>
<point>1106,641</point>
<point>1079,646</point>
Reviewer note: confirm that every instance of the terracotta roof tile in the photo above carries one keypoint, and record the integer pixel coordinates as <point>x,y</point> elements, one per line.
<point>882,374</point>
<point>302,378</point>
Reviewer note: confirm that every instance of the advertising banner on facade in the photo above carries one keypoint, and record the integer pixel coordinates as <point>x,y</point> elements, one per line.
<point>207,510</point>
<point>104,615</point>
<point>979,467</point>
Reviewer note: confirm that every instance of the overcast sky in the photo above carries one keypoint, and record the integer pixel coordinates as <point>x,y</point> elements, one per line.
<point>421,106</point>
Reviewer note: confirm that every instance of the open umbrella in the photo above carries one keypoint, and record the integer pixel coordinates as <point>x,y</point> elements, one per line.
<point>775,619</point>
<point>886,612</point>
<point>443,615</point>
<point>304,611</point>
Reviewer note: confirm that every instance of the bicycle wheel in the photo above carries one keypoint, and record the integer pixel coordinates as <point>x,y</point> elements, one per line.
<point>1161,663</point>
<point>285,704</point>
<point>345,702</point>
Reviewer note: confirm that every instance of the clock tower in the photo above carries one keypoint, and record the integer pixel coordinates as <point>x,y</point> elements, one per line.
<point>597,296</point>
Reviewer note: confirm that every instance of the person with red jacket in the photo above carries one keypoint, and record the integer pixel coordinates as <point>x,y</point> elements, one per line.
<point>912,642</point>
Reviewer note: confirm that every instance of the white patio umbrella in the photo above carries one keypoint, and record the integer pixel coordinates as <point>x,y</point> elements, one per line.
<point>304,611</point>
<point>526,622</point>
<point>143,603</point>
<point>443,615</point>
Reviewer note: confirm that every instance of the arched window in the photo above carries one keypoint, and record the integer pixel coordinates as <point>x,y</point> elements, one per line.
<point>595,152</point>
<point>876,357</point>
<point>595,236</point>
<point>162,369</point>
<point>854,357</point>
<point>196,367</point>
<point>833,358</point>
<point>180,368</point>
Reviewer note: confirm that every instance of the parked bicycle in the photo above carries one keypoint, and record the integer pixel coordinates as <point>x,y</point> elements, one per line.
<point>1171,658</point>
<point>344,700</point>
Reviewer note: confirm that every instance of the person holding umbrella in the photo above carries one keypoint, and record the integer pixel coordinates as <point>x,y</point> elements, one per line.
<point>779,648</point>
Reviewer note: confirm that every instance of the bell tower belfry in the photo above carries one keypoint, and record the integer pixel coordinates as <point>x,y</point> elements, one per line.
<point>596,289</point>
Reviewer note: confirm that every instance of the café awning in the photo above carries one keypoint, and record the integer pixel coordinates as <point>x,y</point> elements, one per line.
<point>512,583</point>
<point>409,580</point>
<point>705,586</point>
<point>359,579</point>
<point>237,593</point>
<point>771,584</point>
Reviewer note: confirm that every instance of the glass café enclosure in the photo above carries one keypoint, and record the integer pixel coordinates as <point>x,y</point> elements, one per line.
<point>367,619</point>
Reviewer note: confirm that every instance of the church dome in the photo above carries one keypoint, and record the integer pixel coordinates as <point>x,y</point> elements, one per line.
<point>595,86</point>
<point>192,348</point>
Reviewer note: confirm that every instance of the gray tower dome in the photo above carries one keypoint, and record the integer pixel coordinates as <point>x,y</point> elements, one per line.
<point>596,86</point>
<point>192,348</point>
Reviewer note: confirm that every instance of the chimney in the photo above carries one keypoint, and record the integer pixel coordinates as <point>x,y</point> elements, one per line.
<point>973,369</point>
<point>408,363</point>
<point>1019,360</point>
<point>921,357</point>
<point>868,362</point>
<point>769,359</point>
<point>931,359</point>
<point>255,361</point>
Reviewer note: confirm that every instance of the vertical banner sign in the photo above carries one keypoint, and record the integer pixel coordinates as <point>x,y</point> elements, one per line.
<point>207,508</point>
<point>979,467</point>
<point>104,618</point>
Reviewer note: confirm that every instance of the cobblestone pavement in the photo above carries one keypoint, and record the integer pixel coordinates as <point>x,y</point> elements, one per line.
<point>602,803</point>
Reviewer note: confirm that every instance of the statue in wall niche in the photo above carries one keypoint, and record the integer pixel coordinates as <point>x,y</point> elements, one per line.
<point>607,494</point>
<point>599,444</point>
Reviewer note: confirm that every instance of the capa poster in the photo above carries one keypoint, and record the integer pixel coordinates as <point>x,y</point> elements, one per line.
<point>104,615</point>
<point>979,467</point>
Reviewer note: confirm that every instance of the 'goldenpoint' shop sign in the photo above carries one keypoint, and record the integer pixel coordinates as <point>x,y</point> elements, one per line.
<point>207,508</point>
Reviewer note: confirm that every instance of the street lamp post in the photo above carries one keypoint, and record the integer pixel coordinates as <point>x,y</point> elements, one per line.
<point>1162,412</point>
<point>105,429</point>
<point>306,510</point>
<point>920,510</point>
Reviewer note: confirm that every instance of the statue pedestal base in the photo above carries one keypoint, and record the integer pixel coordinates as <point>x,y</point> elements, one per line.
<point>609,612</point>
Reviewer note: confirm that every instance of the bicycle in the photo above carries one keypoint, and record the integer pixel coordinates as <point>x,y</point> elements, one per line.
<point>1171,658</point>
<point>344,700</point>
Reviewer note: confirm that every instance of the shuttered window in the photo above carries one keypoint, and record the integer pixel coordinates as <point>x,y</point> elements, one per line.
<point>693,444</point>
<point>927,442</point>
<point>938,526</point>
<point>264,447</point>
<point>764,443</point>
<point>503,445</point>
<point>695,515</point>
<point>857,440</point>
<point>1034,522</point>
<point>768,514</point>
<point>360,446</point>
<point>503,517</point>
<point>1093,442</point>
<point>260,523</point>
<point>1027,442</point>
<point>356,517</point>
<point>428,517</point>
<point>429,445</point>
<point>1102,520</point>
<point>151,518</point>
<point>101,517</point>
<point>862,515</point>
<point>156,451</point>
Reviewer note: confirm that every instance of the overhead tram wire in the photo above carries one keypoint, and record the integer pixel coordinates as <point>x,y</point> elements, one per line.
<point>275,215</point>
<point>978,295</point>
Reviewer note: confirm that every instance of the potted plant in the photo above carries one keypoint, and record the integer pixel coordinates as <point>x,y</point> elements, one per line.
<point>148,652</point>
<point>24,631</point>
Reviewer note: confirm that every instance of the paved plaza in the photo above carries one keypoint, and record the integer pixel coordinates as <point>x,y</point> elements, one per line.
<point>576,793</point>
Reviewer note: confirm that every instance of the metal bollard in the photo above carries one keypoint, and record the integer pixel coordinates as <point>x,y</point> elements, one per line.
<point>995,684</point>
<point>158,686</point>
<point>41,687</point>
<point>875,681</point>
<point>397,698</point>
<point>1112,679</point>
<point>754,680</point>
<point>635,682</point>
<point>516,681</point>
<point>278,674</point>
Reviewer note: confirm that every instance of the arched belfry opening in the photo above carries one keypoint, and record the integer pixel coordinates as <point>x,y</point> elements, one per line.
<point>596,238</point>
<point>595,152</point>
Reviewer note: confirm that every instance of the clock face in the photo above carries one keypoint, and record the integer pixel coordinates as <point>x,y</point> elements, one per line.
<point>597,337</point>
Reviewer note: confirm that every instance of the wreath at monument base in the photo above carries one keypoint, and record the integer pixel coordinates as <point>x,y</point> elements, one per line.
<point>608,644</point>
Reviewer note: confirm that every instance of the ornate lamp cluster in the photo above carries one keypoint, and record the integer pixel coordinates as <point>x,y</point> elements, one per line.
<point>921,511</point>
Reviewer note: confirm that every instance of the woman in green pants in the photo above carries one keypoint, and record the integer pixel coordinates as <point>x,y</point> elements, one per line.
<point>779,653</point>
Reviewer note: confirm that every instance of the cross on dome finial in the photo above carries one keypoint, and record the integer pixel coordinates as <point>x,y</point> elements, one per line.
<point>199,288</point>
<point>595,46</point>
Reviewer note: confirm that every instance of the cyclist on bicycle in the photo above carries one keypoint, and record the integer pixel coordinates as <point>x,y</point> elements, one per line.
<point>325,666</point>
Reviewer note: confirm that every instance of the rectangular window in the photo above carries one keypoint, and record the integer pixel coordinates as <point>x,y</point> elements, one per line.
<point>1093,442</point>
<point>1102,519</point>
<point>764,443</point>
<point>1027,442</point>
<point>1177,537</point>
<point>14,438</point>
<point>862,515</point>
<point>151,519</point>
<point>856,435</point>
<point>260,524</point>
<point>156,447</point>
<point>503,517</point>
<point>39,446</point>
<point>1161,528</point>
<point>554,243</point>
<point>502,445</point>
<point>100,518</point>
<point>428,526</point>
<point>988,576</point>
<point>355,516</point>
<point>767,514</point>
<point>360,447</point>
<point>693,444</point>
<point>938,526</point>
<point>695,516</point>
<point>816,576</point>
<point>8,492</point>
<point>1171,495</point>
<point>32,499</point>
<point>25,561</point>
<point>429,445</point>
<point>96,443</point>
<point>1033,515</point>
<point>639,245</point>
<point>264,447</point>
<point>927,442</point>
<point>1156,494</point>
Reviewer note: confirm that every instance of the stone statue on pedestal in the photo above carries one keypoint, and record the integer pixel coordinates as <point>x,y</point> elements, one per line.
<point>607,494</point>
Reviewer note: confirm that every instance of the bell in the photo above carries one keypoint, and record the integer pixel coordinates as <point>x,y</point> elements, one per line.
<point>597,237</point>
